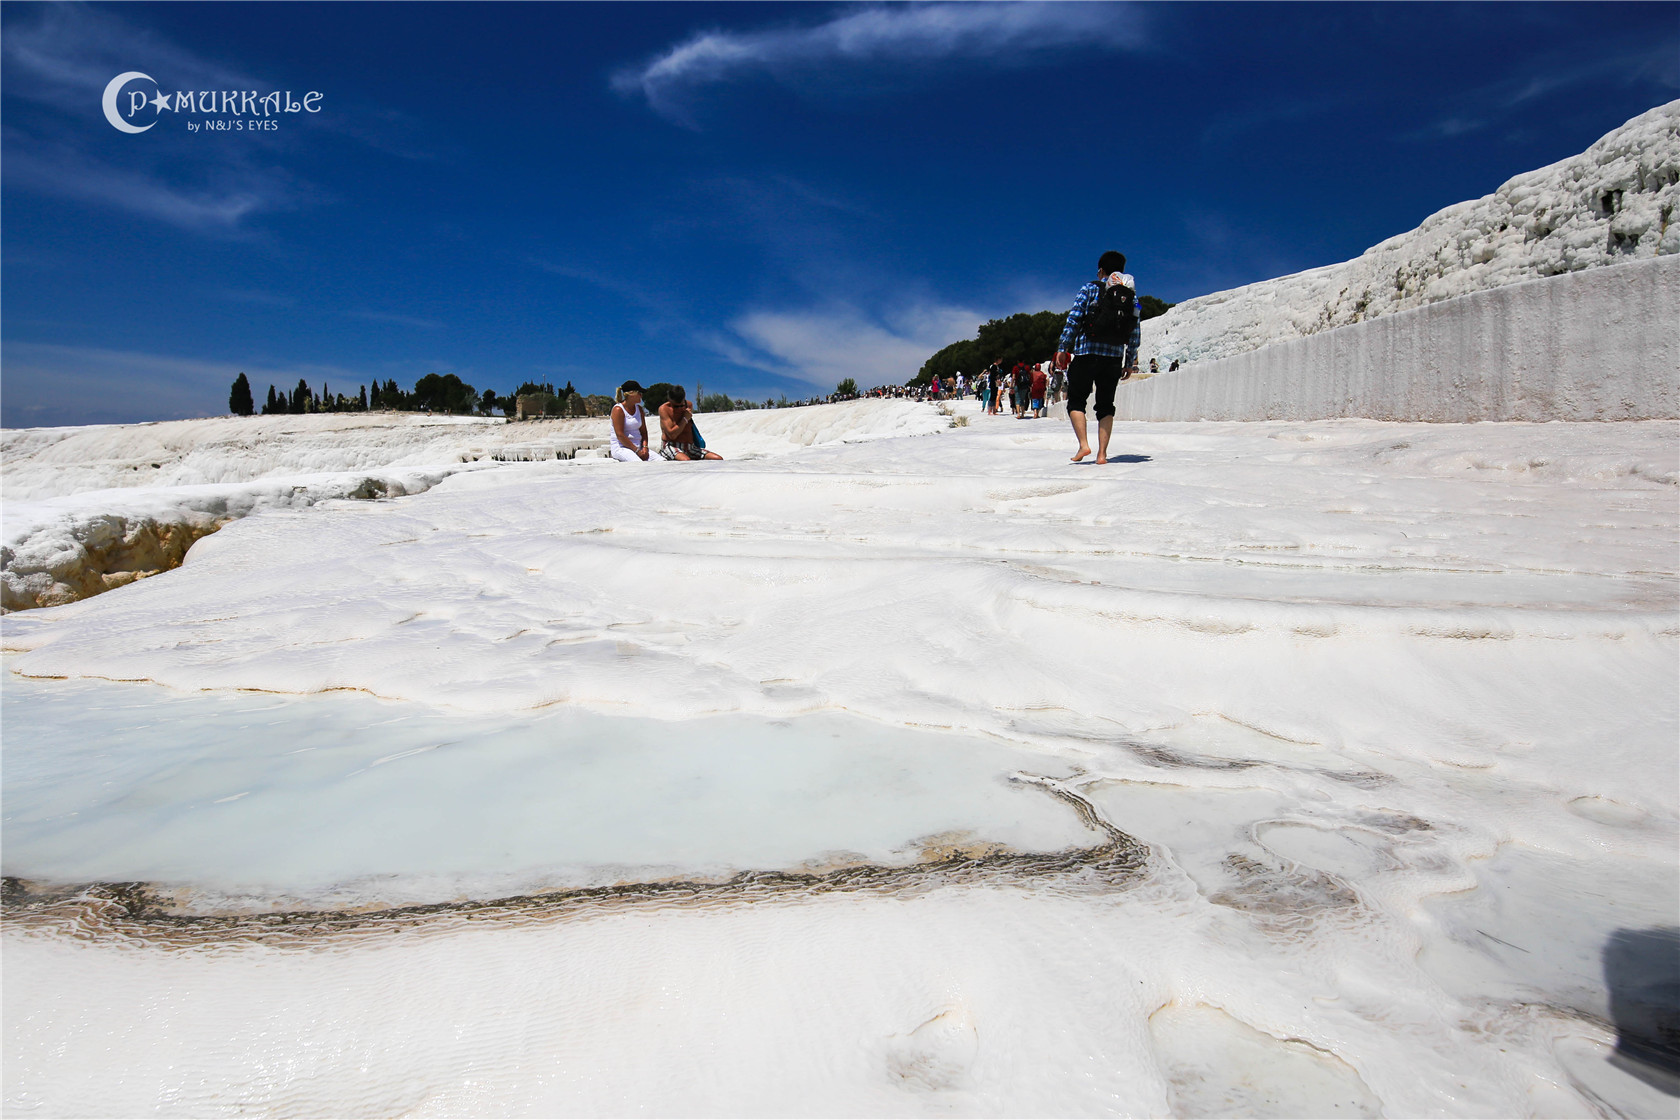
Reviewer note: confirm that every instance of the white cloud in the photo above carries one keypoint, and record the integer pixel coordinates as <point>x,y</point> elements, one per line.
<point>824,347</point>
<point>68,54</point>
<point>916,35</point>
<point>47,384</point>
<point>636,293</point>
<point>1652,63</point>
<point>62,171</point>
<point>64,57</point>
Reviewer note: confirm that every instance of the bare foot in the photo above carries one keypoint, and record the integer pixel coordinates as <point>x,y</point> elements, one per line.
<point>1083,451</point>
<point>1101,459</point>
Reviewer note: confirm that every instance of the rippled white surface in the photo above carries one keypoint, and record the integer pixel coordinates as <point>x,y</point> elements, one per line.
<point>80,500</point>
<point>1393,707</point>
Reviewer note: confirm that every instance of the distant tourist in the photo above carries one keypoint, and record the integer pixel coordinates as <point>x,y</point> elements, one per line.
<point>1040,382</point>
<point>628,439</point>
<point>1098,347</point>
<point>676,425</point>
<point>1154,366</point>
<point>1173,366</point>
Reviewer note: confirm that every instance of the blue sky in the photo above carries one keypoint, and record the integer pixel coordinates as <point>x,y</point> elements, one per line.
<point>756,197</point>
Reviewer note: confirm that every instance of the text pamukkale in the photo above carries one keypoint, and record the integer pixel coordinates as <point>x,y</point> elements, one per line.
<point>228,110</point>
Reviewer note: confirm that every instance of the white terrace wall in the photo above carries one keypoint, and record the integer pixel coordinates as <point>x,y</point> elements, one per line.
<point>1600,344</point>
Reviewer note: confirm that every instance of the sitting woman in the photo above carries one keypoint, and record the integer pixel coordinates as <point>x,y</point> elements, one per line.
<point>676,425</point>
<point>628,439</point>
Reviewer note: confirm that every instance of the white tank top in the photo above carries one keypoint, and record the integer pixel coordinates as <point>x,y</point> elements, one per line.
<point>632,428</point>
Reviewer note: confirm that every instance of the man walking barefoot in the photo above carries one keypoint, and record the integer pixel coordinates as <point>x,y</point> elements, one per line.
<point>1098,348</point>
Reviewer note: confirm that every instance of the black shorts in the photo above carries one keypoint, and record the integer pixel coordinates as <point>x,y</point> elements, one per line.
<point>1099,370</point>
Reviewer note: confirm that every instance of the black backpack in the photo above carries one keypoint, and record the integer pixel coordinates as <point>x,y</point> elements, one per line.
<point>1114,316</point>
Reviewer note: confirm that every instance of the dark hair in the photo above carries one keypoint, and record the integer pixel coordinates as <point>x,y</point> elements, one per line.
<point>1111,262</point>
<point>631,386</point>
<point>676,394</point>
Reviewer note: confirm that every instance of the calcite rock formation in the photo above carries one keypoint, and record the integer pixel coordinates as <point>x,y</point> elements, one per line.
<point>97,554</point>
<point>1617,201</point>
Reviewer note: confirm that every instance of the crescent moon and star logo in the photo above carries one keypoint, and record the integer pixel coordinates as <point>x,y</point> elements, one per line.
<point>215,110</point>
<point>110,101</point>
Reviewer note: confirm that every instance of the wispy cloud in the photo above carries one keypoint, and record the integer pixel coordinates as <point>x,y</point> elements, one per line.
<point>1656,65</point>
<point>1275,115</point>
<point>62,59</point>
<point>1458,126</point>
<point>68,54</point>
<point>218,208</point>
<point>259,299</point>
<point>399,320</point>
<point>636,293</point>
<point>1223,252</point>
<point>65,57</point>
<point>822,347</point>
<point>368,315</point>
<point>48,384</point>
<point>918,35</point>
<point>819,197</point>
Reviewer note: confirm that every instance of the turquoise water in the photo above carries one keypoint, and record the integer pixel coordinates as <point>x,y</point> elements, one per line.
<point>301,795</point>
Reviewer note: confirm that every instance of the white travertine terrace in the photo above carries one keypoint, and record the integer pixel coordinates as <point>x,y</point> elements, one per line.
<point>1382,714</point>
<point>1617,201</point>
<point>1390,706</point>
<point>1601,344</point>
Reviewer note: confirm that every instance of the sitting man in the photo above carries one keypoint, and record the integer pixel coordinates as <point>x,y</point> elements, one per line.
<point>676,425</point>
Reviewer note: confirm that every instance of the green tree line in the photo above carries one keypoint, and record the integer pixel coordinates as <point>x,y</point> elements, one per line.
<point>448,393</point>
<point>1023,337</point>
<point>432,393</point>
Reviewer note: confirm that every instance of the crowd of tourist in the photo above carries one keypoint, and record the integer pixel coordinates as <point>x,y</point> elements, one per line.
<point>1097,350</point>
<point>1027,390</point>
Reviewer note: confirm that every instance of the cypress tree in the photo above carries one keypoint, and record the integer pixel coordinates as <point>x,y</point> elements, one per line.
<point>271,406</point>
<point>363,398</point>
<point>239,400</point>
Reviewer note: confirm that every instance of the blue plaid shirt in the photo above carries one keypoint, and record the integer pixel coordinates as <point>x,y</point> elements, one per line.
<point>1073,335</point>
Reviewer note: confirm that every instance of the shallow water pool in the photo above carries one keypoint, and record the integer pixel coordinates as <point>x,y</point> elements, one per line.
<point>344,796</point>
